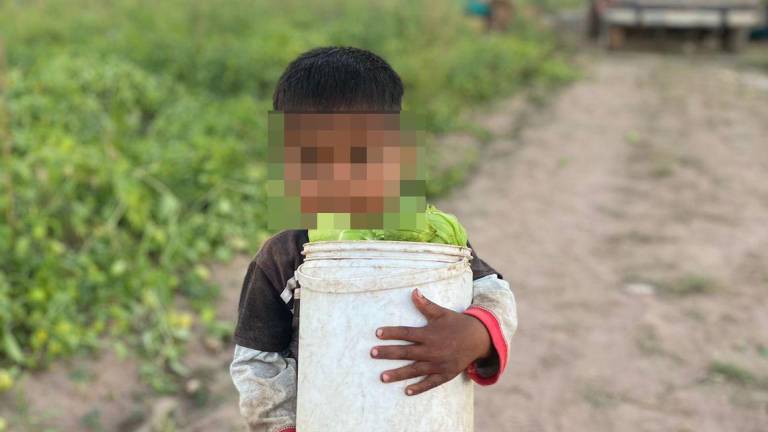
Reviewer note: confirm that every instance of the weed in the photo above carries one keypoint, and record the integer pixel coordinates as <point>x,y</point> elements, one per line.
<point>648,342</point>
<point>689,285</point>
<point>599,397</point>
<point>633,138</point>
<point>662,169</point>
<point>92,421</point>
<point>763,351</point>
<point>732,373</point>
<point>692,162</point>
<point>81,374</point>
<point>662,163</point>
<point>695,315</point>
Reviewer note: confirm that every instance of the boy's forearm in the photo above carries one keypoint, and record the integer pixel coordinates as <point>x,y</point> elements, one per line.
<point>493,303</point>
<point>266,382</point>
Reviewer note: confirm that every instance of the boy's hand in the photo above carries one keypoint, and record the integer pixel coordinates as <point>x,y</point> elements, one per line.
<point>442,349</point>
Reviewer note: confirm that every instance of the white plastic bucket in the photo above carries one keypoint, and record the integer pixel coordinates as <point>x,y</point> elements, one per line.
<point>348,290</point>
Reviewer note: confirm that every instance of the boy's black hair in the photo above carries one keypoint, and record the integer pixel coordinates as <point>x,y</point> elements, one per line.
<point>338,79</point>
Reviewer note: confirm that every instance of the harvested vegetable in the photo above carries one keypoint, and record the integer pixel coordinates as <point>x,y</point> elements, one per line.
<point>441,227</point>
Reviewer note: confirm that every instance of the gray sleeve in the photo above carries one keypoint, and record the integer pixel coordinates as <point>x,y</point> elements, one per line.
<point>495,296</point>
<point>266,382</point>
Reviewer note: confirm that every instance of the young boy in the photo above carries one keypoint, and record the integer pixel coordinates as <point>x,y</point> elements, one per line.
<point>266,336</point>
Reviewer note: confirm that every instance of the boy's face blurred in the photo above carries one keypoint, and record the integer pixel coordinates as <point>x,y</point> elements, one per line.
<point>346,170</point>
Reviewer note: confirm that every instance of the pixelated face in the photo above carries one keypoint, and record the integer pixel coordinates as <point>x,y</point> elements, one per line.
<point>345,170</point>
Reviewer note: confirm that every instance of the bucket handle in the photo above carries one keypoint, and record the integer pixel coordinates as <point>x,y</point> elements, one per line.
<point>379,283</point>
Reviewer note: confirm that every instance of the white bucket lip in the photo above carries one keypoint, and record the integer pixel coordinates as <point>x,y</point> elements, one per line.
<point>386,246</point>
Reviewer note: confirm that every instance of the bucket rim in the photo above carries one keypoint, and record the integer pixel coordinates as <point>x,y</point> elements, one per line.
<point>388,245</point>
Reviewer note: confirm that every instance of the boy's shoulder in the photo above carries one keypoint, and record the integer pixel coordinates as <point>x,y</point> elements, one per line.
<point>283,247</point>
<point>291,237</point>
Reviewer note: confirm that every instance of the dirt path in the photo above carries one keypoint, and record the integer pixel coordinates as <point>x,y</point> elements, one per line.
<point>634,219</point>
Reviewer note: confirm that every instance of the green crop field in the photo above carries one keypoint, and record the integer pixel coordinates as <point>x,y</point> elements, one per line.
<point>132,137</point>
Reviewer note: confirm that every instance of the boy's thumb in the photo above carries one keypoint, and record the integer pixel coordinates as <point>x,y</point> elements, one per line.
<point>425,306</point>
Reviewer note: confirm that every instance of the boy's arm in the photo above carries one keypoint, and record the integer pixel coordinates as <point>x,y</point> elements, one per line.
<point>264,367</point>
<point>493,303</point>
<point>476,341</point>
<point>266,382</point>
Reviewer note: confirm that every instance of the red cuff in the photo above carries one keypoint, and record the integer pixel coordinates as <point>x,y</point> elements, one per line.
<point>289,429</point>
<point>497,339</point>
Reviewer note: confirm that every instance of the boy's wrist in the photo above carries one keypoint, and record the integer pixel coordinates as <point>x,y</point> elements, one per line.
<point>485,346</point>
<point>487,370</point>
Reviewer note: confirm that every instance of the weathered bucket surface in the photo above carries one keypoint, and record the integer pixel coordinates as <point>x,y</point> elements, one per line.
<point>348,290</point>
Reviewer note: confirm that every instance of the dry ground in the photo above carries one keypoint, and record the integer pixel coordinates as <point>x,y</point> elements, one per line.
<point>630,216</point>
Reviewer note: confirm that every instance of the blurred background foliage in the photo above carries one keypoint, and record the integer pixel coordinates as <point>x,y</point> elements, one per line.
<point>133,138</point>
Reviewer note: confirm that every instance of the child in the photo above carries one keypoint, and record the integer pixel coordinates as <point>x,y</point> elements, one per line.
<point>266,336</point>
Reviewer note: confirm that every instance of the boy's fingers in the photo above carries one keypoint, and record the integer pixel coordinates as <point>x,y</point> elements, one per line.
<point>412,334</point>
<point>427,383</point>
<point>400,352</point>
<point>413,370</point>
<point>425,306</point>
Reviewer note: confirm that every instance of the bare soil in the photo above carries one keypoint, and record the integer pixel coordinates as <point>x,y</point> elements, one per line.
<point>630,216</point>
